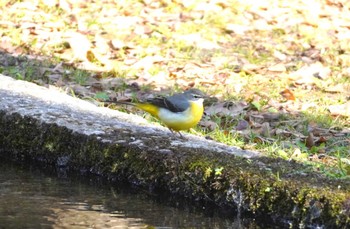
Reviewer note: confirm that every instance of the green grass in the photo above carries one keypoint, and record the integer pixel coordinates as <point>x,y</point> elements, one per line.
<point>80,76</point>
<point>171,35</point>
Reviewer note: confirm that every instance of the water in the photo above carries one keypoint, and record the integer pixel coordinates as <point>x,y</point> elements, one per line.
<point>35,198</point>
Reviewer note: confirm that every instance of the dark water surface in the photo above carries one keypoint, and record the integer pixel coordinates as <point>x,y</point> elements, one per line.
<point>35,198</point>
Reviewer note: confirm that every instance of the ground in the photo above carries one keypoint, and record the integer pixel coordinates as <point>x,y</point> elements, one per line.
<point>278,71</point>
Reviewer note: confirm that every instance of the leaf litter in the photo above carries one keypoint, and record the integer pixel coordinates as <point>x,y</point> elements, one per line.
<point>279,70</point>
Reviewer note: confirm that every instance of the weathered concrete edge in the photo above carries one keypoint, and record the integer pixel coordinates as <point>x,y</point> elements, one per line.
<point>57,132</point>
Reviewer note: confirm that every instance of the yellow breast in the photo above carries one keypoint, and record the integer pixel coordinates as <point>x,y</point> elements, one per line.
<point>182,120</point>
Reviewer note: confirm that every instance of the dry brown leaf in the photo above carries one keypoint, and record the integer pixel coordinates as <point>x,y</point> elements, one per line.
<point>6,44</point>
<point>89,66</point>
<point>344,60</point>
<point>101,45</point>
<point>50,3</point>
<point>296,154</point>
<point>287,94</point>
<point>342,109</point>
<point>237,29</point>
<point>321,140</point>
<point>147,62</point>
<point>281,132</point>
<point>120,44</point>
<point>80,45</point>
<point>259,139</point>
<point>64,5</point>
<point>54,77</point>
<point>143,29</point>
<point>280,56</point>
<point>59,68</point>
<point>227,109</point>
<point>242,125</point>
<point>28,25</point>
<point>80,90</point>
<point>336,88</point>
<point>112,83</point>
<point>208,124</point>
<point>256,118</point>
<point>312,54</point>
<point>265,130</point>
<point>250,67</point>
<point>309,74</point>
<point>277,68</point>
<point>198,41</point>
<point>309,141</point>
<point>90,56</point>
<point>207,6</point>
<point>270,117</point>
<point>102,61</point>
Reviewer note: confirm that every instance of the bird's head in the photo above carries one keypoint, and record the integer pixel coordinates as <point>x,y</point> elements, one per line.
<point>195,95</point>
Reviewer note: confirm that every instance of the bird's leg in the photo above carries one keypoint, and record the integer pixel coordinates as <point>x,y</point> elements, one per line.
<point>181,136</point>
<point>172,131</point>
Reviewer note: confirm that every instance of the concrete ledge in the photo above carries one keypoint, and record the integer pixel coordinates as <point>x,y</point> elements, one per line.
<point>50,126</point>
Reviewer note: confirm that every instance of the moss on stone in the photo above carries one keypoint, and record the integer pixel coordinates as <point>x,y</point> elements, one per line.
<point>262,186</point>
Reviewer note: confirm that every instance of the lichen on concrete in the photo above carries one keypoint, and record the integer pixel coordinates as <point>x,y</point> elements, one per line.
<point>52,127</point>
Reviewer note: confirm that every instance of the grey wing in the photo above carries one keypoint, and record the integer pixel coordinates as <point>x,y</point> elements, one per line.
<point>179,103</point>
<point>175,103</point>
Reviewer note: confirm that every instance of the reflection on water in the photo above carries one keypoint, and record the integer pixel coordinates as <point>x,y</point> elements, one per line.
<point>30,198</point>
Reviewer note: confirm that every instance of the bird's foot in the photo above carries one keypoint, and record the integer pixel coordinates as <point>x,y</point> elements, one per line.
<point>174,133</point>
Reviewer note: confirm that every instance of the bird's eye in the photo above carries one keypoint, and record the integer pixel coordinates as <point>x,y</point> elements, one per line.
<point>197,96</point>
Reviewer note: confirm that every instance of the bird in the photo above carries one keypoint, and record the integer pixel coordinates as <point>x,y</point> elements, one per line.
<point>178,112</point>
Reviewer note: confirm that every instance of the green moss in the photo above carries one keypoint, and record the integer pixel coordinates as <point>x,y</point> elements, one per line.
<point>49,146</point>
<point>263,186</point>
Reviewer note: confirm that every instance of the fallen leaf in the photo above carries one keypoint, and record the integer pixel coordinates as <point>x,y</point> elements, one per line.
<point>336,88</point>
<point>143,29</point>
<point>265,129</point>
<point>227,109</point>
<point>321,139</point>
<point>310,73</point>
<point>280,56</point>
<point>112,83</point>
<point>237,29</point>
<point>269,117</point>
<point>101,45</point>
<point>80,45</point>
<point>256,118</point>
<point>344,60</point>
<point>147,62</point>
<point>342,109</point>
<point>119,44</point>
<point>90,56</point>
<point>284,133</point>
<point>196,39</point>
<point>277,68</point>
<point>250,67</point>
<point>59,68</point>
<point>208,124</point>
<point>80,90</point>
<point>298,155</point>
<point>242,125</point>
<point>6,44</point>
<point>287,94</point>
<point>257,105</point>
<point>64,5</point>
<point>309,141</point>
<point>54,77</point>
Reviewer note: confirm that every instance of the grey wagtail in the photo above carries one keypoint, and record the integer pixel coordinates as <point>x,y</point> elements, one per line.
<point>178,112</point>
